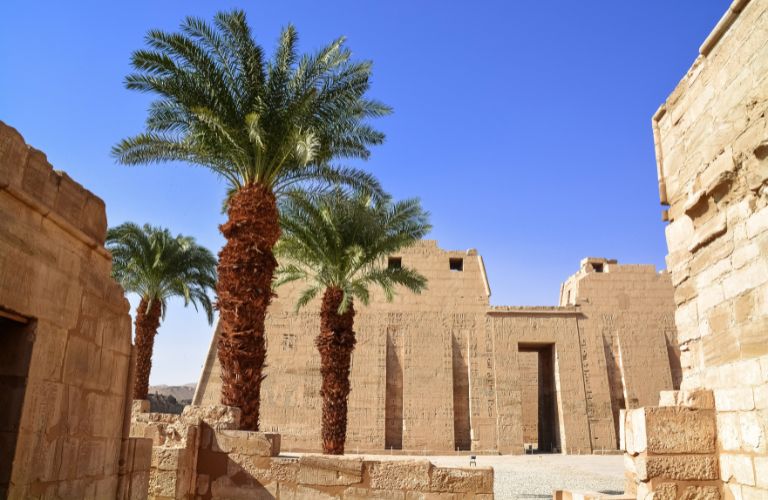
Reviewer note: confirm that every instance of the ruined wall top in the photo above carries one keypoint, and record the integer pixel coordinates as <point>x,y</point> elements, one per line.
<point>26,173</point>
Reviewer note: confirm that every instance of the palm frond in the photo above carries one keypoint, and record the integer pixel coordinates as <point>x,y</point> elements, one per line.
<point>279,122</point>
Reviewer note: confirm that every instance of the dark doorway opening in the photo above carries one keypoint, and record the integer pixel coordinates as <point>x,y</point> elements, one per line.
<point>545,405</point>
<point>16,339</point>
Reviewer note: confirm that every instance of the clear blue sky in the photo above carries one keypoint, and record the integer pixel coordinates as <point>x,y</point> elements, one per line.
<point>524,127</point>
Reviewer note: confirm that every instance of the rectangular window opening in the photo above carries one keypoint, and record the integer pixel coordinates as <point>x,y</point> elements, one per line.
<point>456,263</point>
<point>395,263</point>
<point>597,267</point>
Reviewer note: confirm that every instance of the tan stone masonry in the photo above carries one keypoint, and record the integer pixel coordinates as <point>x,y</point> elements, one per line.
<point>201,454</point>
<point>711,438</point>
<point>438,372</point>
<point>65,340</point>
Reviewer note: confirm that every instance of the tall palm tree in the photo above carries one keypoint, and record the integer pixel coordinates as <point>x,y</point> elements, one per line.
<point>337,244</point>
<point>264,127</point>
<point>156,265</point>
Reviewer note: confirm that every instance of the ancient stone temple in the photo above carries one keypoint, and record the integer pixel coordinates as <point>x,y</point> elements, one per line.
<point>445,371</point>
<point>711,438</point>
<point>65,341</point>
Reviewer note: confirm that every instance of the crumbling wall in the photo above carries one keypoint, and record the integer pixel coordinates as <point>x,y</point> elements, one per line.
<point>712,149</point>
<point>55,279</point>
<point>201,454</point>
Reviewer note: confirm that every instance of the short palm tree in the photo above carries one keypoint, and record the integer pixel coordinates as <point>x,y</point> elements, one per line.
<point>263,126</point>
<point>156,265</point>
<point>337,244</point>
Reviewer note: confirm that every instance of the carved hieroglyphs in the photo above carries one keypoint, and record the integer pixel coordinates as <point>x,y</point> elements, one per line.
<point>444,370</point>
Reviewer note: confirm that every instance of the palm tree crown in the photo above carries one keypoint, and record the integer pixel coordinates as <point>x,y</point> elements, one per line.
<point>339,241</point>
<point>156,265</point>
<point>275,123</point>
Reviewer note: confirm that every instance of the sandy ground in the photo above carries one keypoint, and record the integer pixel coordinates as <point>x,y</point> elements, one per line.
<point>537,476</point>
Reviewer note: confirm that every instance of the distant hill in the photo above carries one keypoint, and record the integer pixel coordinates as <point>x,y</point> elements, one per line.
<point>170,398</point>
<point>180,392</point>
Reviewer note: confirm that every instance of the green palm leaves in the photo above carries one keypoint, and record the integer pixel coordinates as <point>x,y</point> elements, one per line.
<point>278,123</point>
<point>338,240</point>
<point>156,265</point>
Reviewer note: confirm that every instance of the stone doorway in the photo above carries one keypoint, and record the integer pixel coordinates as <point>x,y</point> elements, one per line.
<point>536,365</point>
<point>16,340</point>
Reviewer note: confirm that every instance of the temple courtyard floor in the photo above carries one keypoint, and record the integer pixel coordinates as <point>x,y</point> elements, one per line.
<point>535,476</point>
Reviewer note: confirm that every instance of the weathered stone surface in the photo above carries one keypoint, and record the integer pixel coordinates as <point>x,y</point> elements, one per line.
<point>474,480</point>
<point>711,162</point>
<point>679,430</point>
<point>219,417</point>
<point>356,493</point>
<point>681,467</point>
<point>700,493</point>
<point>399,475</point>
<point>56,288</point>
<point>224,488</point>
<point>327,471</point>
<point>247,443</point>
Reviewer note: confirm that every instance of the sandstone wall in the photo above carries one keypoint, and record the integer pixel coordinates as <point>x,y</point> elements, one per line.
<point>56,293</point>
<point>407,356</point>
<point>553,334</point>
<point>712,149</point>
<point>626,329</point>
<point>439,372</point>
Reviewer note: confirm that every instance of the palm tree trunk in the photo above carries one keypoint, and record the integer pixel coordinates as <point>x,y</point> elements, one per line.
<point>335,344</point>
<point>246,269</point>
<point>147,323</point>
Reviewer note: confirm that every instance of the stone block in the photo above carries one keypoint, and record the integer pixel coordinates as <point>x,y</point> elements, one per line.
<point>91,457</point>
<point>761,396</point>
<point>70,199</point>
<point>301,492</point>
<point>163,483</point>
<point>761,471</point>
<point>219,417</point>
<point>328,471</point>
<point>360,493</point>
<point>475,480</point>
<point>728,431</point>
<point>754,431</point>
<point>93,221</point>
<point>246,443</point>
<point>284,470</point>
<point>667,398</point>
<point>738,467</point>
<point>13,156</point>
<point>679,430</point>
<point>168,458</point>
<point>734,399</point>
<point>39,181</point>
<point>680,468</point>
<point>635,431</point>
<point>399,475</point>
<point>142,454</point>
<point>696,492</point>
<point>698,399</point>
